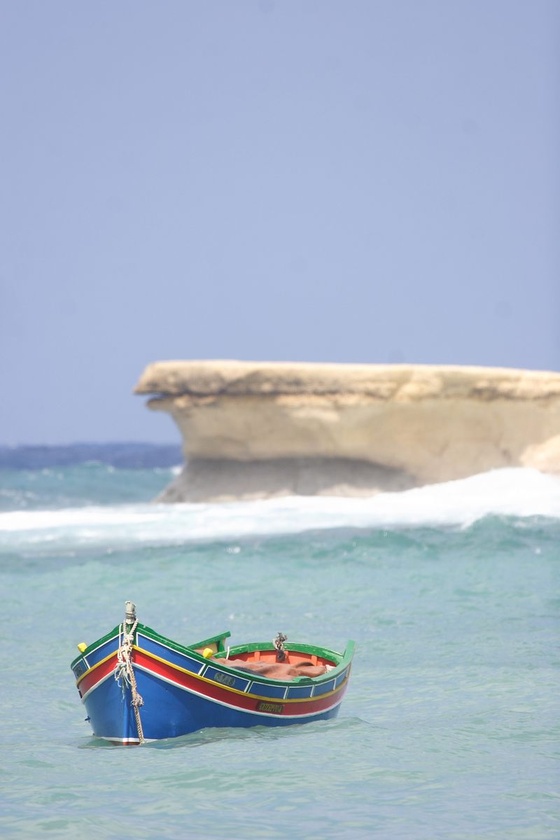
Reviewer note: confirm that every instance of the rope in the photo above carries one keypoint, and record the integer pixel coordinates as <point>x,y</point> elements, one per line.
<point>278,643</point>
<point>125,672</point>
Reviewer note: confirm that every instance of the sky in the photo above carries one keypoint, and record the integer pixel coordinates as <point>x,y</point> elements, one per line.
<point>365,181</point>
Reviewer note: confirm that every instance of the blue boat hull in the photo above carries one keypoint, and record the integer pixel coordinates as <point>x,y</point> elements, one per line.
<point>171,690</point>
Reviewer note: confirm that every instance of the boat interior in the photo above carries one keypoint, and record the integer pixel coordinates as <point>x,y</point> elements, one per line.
<point>275,664</point>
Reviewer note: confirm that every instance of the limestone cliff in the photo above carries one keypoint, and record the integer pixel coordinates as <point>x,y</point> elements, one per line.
<point>256,429</point>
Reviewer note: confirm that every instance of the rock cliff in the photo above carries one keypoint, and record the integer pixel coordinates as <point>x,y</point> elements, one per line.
<point>257,429</point>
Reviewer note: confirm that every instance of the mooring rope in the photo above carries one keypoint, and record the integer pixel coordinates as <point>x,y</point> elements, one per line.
<point>124,671</point>
<point>278,643</point>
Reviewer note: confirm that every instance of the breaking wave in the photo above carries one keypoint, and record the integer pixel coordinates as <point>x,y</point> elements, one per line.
<point>513,492</point>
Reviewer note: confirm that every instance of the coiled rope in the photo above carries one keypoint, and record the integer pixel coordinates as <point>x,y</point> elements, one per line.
<point>124,671</point>
<point>278,643</point>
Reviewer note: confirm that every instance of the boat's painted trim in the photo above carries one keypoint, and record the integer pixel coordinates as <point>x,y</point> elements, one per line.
<point>225,695</point>
<point>184,692</point>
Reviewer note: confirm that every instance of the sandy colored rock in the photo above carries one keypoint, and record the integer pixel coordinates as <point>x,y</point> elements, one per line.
<point>255,429</point>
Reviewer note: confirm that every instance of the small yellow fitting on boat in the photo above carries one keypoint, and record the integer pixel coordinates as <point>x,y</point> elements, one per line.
<point>207,653</point>
<point>82,646</point>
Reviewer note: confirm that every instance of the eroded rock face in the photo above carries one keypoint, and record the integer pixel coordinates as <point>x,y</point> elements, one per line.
<point>256,429</point>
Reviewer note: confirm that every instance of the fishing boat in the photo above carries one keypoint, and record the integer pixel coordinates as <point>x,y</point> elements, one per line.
<point>138,685</point>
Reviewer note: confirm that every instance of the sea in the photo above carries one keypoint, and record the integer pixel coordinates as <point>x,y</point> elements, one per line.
<point>450,727</point>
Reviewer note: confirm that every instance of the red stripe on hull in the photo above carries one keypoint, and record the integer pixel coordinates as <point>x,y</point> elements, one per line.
<point>236,699</point>
<point>97,674</point>
<point>209,689</point>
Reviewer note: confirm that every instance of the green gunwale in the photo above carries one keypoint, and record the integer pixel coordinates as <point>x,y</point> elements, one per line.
<point>218,640</point>
<point>98,642</point>
<point>341,660</point>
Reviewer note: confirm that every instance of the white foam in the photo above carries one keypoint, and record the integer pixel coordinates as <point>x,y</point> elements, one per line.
<point>508,492</point>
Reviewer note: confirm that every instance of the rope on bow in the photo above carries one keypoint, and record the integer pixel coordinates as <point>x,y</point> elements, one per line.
<point>124,671</point>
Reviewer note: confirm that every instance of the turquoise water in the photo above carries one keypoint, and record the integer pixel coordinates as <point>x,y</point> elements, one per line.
<point>450,727</point>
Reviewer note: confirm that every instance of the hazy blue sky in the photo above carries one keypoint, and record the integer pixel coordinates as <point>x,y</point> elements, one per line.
<point>315,180</point>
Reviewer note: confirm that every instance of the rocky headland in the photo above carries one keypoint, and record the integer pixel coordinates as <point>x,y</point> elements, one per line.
<point>259,429</point>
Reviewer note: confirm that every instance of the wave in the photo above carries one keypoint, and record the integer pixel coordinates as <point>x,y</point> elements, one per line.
<point>508,492</point>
